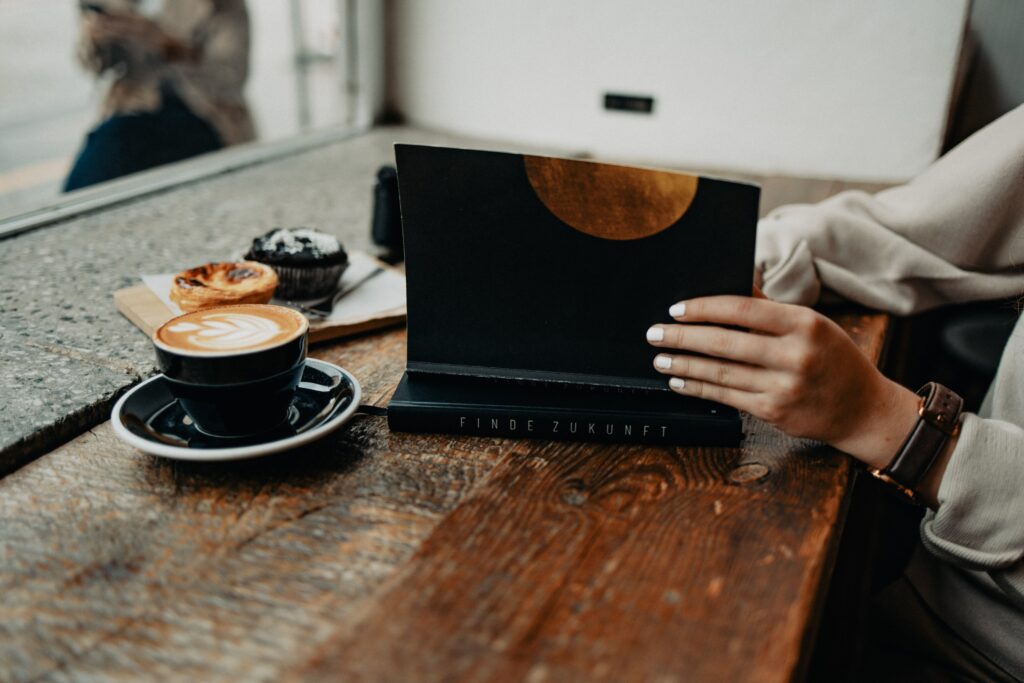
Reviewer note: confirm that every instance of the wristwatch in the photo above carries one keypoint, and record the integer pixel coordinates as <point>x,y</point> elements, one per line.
<point>938,420</point>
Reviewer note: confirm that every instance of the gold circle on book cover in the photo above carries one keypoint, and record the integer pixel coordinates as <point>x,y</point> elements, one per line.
<point>607,201</point>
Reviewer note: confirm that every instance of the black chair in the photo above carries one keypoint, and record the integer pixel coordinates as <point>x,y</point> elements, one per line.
<point>977,338</point>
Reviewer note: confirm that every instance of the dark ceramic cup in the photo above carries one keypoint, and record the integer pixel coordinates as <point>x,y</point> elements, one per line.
<point>234,369</point>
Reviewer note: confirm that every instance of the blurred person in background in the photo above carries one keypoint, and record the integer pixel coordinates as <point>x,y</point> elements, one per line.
<point>176,78</point>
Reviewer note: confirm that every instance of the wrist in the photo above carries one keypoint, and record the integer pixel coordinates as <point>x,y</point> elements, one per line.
<point>918,468</point>
<point>889,413</point>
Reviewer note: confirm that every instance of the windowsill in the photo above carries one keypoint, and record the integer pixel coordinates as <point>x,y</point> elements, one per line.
<point>165,177</point>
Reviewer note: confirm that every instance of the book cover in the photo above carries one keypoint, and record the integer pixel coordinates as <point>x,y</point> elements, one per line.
<point>546,271</point>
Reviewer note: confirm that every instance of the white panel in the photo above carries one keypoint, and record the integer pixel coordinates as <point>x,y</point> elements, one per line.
<point>817,88</point>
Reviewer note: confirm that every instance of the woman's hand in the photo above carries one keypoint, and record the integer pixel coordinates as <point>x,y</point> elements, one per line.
<point>794,368</point>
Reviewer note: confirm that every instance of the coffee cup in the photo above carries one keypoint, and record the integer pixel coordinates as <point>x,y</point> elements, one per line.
<point>234,369</point>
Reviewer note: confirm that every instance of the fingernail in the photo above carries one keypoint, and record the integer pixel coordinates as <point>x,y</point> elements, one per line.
<point>677,384</point>
<point>662,361</point>
<point>677,310</point>
<point>655,334</point>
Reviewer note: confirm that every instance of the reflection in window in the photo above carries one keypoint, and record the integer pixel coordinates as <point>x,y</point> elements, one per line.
<point>195,74</point>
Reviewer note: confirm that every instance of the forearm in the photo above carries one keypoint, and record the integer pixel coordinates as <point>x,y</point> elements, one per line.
<point>886,413</point>
<point>952,234</point>
<point>889,415</point>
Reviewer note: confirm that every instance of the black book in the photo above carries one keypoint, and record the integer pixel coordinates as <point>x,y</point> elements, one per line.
<point>531,282</point>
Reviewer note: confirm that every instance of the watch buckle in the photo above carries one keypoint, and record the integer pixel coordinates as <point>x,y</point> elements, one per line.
<point>905,490</point>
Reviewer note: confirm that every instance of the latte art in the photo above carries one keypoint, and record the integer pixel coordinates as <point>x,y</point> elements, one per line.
<point>225,329</point>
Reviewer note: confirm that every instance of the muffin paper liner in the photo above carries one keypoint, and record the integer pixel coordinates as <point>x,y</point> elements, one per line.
<point>307,282</point>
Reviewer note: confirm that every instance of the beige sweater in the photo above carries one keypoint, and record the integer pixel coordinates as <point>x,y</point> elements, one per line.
<point>954,234</point>
<point>212,86</point>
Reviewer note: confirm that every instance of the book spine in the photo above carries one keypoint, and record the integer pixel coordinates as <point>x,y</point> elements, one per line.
<point>574,426</point>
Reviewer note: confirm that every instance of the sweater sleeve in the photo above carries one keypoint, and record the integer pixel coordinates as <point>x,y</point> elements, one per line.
<point>953,234</point>
<point>979,522</point>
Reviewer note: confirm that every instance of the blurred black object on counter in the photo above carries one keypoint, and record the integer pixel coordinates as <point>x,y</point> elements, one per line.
<point>386,229</point>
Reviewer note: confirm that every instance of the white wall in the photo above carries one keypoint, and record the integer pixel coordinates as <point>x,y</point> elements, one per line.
<point>370,67</point>
<point>815,88</point>
<point>288,98</point>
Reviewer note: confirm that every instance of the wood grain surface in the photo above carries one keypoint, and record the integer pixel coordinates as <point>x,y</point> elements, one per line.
<point>378,556</point>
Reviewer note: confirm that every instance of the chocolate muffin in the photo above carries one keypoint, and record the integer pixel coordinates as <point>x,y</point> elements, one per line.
<point>309,263</point>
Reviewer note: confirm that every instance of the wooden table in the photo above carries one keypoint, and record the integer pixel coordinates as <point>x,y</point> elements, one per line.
<point>373,556</point>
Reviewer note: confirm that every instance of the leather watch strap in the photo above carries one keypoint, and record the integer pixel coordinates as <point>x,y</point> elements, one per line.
<point>939,419</point>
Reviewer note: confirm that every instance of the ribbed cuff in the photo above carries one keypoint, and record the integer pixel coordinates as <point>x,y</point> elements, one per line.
<point>979,523</point>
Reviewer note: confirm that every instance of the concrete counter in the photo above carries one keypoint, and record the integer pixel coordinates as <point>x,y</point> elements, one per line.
<point>66,353</point>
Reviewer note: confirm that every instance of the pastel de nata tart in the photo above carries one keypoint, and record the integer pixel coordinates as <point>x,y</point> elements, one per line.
<point>308,262</point>
<point>220,284</point>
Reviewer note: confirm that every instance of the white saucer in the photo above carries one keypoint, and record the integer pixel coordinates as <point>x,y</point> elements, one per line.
<point>150,419</point>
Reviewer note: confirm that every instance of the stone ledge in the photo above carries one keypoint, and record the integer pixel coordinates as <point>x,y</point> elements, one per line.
<point>66,351</point>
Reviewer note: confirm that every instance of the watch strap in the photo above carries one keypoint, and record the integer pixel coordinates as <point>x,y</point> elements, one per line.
<point>938,420</point>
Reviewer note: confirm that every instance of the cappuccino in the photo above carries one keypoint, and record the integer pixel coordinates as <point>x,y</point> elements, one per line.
<point>234,369</point>
<point>225,330</point>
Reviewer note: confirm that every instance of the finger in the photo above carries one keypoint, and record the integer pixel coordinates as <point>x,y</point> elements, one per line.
<point>744,311</point>
<point>740,400</point>
<point>758,294</point>
<point>746,347</point>
<point>723,373</point>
